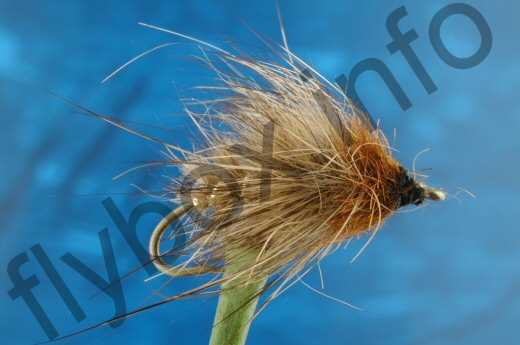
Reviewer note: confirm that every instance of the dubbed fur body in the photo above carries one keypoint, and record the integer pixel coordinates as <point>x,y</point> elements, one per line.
<point>288,171</point>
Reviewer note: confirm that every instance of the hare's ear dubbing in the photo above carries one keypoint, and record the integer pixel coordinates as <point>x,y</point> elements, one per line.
<point>322,174</point>
<point>291,168</point>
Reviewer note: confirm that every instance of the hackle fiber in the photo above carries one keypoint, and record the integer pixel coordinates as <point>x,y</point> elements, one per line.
<point>289,170</point>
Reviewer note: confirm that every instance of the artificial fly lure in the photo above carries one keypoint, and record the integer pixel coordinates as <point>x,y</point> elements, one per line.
<point>289,170</point>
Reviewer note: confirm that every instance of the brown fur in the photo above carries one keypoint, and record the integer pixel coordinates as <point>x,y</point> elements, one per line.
<point>331,179</point>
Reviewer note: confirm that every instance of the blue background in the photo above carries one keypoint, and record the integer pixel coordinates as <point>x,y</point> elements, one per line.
<point>444,274</point>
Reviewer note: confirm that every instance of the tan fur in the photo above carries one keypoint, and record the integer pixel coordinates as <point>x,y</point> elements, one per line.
<point>331,180</point>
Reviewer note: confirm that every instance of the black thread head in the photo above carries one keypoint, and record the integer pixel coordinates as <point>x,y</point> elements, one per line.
<point>409,191</point>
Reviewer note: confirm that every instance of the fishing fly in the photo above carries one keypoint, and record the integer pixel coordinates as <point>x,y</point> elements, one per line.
<point>288,170</point>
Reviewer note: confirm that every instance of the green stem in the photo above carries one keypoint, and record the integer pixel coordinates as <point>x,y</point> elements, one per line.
<point>236,305</point>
